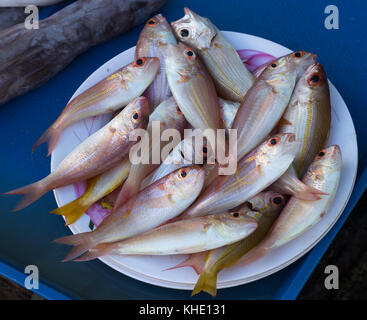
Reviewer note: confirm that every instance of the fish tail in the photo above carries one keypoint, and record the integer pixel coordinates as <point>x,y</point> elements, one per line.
<point>207,282</point>
<point>82,242</point>
<point>71,211</point>
<point>51,136</point>
<point>94,253</point>
<point>196,261</point>
<point>308,193</point>
<point>31,192</point>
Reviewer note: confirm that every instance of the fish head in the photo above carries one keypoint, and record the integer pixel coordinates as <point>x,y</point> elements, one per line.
<point>136,114</point>
<point>194,30</point>
<point>157,28</point>
<point>326,166</point>
<point>143,67</point>
<point>267,203</point>
<point>237,222</point>
<point>279,147</point>
<point>315,78</point>
<point>278,71</point>
<point>301,60</point>
<point>181,62</point>
<point>185,183</point>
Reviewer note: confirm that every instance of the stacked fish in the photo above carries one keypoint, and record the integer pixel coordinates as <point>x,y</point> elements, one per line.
<point>189,76</point>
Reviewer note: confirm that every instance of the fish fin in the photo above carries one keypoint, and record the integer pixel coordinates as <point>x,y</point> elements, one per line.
<point>82,242</point>
<point>309,193</point>
<point>51,136</point>
<point>71,211</point>
<point>284,122</point>
<point>196,261</point>
<point>253,255</point>
<point>127,191</point>
<point>207,282</point>
<point>94,253</point>
<point>31,192</point>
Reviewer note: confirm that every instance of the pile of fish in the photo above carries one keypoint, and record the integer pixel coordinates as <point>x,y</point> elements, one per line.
<point>187,75</point>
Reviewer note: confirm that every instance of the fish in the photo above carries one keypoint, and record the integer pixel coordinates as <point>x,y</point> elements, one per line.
<point>106,96</point>
<point>152,43</point>
<point>98,153</point>
<point>255,172</point>
<point>308,115</point>
<point>298,215</point>
<point>181,237</point>
<point>182,155</point>
<point>231,77</point>
<point>267,99</point>
<point>155,204</point>
<point>97,188</point>
<point>228,110</point>
<point>194,92</point>
<point>289,184</point>
<point>167,116</point>
<point>266,208</point>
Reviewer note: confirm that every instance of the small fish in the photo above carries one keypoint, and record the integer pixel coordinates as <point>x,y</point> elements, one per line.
<point>107,96</point>
<point>289,184</point>
<point>157,203</point>
<point>300,215</point>
<point>97,188</point>
<point>228,110</point>
<point>231,77</point>
<point>255,172</point>
<point>185,236</point>
<point>101,151</point>
<point>308,115</point>
<point>267,206</point>
<point>152,43</point>
<point>168,116</point>
<point>267,99</point>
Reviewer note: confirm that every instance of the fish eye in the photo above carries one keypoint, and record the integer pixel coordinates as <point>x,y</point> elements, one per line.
<point>274,65</point>
<point>278,200</point>
<point>184,33</point>
<point>273,141</point>
<point>321,154</point>
<point>139,62</point>
<point>152,23</point>
<point>235,214</point>
<point>182,173</point>
<point>190,54</point>
<point>314,79</point>
<point>298,54</point>
<point>135,116</point>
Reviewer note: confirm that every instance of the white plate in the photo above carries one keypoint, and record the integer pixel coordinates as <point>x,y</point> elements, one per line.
<point>150,269</point>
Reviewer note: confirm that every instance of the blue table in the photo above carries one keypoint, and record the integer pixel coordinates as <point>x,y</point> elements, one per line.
<point>25,237</point>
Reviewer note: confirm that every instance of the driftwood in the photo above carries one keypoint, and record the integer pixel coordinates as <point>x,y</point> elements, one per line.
<point>11,16</point>
<point>28,58</point>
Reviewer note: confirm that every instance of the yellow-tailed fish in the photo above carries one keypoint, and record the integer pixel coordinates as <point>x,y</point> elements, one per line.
<point>167,116</point>
<point>267,99</point>
<point>289,184</point>
<point>267,206</point>
<point>231,77</point>
<point>101,151</point>
<point>193,90</point>
<point>97,188</point>
<point>255,172</point>
<point>299,215</point>
<point>107,96</point>
<point>152,42</point>
<point>181,237</point>
<point>308,115</point>
<point>157,203</point>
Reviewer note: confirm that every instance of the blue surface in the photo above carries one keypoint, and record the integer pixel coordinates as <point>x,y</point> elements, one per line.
<point>25,237</point>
